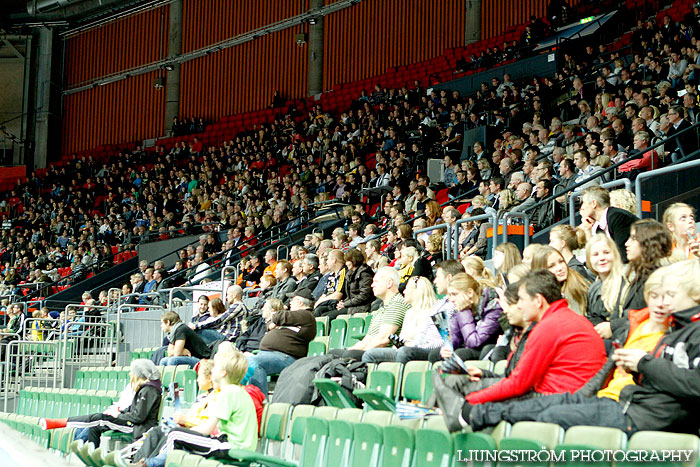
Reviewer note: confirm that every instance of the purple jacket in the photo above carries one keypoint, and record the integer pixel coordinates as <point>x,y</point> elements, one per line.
<point>467,330</point>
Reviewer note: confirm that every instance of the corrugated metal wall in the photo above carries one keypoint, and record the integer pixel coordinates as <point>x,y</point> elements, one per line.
<point>124,111</point>
<point>366,39</point>
<point>361,41</point>
<point>123,44</point>
<point>241,78</point>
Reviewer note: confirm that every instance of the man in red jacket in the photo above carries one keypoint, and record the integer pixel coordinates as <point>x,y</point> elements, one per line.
<point>562,353</point>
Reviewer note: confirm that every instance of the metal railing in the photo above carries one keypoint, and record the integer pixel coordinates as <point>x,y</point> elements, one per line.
<point>655,173</point>
<point>446,250</point>
<point>30,363</point>
<point>458,224</point>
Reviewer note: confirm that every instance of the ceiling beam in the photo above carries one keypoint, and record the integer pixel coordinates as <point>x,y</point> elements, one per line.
<point>13,49</point>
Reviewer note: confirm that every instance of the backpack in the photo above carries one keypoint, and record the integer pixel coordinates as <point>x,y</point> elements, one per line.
<point>352,374</point>
<point>295,383</point>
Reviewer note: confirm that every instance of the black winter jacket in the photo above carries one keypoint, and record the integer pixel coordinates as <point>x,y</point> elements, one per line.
<point>143,411</point>
<point>667,394</point>
<point>357,290</point>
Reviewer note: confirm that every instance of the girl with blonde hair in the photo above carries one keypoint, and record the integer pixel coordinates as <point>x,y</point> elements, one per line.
<point>475,322</point>
<point>475,267</point>
<point>419,335</point>
<point>603,258</point>
<point>566,239</point>
<point>679,219</point>
<point>574,286</point>
<point>506,256</point>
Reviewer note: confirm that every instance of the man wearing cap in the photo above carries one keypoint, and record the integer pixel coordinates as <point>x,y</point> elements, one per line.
<point>287,339</point>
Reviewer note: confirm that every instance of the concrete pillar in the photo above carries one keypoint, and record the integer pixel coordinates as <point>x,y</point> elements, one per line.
<point>472,30</point>
<point>315,44</point>
<point>172,78</point>
<point>46,102</point>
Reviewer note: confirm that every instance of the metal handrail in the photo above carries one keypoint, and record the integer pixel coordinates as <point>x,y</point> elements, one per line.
<point>444,225</point>
<point>494,218</point>
<point>526,223</point>
<point>577,193</point>
<point>654,173</point>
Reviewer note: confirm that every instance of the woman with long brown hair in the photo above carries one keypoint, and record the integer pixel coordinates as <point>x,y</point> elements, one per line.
<point>574,286</point>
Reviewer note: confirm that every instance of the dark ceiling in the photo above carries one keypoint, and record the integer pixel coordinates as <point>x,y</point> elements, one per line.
<point>14,15</point>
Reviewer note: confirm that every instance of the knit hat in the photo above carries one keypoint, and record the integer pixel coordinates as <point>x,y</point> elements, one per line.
<point>146,369</point>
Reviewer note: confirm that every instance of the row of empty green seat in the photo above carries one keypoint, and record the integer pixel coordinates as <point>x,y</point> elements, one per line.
<point>116,379</point>
<point>142,353</point>
<point>61,403</point>
<point>344,331</point>
<point>308,435</point>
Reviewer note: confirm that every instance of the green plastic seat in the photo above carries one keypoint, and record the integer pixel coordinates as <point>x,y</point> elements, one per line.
<point>500,367</point>
<point>324,323</point>
<point>334,394</point>
<point>367,445</point>
<point>167,376</point>
<point>350,415</point>
<point>316,348</point>
<point>340,437</point>
<point>531,436</point>
<point>313,451</point>
<point>326,413</point>
<point>582,438</point>
<point>465,442</point>
<point>297,430</point>
<point>186,378</point>
<point>175,458</point>
<point>355,331</point>
<point>483,364</point>
<point>275,428</point>
<point>432,448</point>
<point>337,334</point>
<point>398,446</point>
<point>660,440</point>
<point>380,418</point>
<point>379,392</point>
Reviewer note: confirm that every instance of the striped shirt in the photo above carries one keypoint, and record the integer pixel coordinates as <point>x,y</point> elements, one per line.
<point>335,281</point>
<point>391,312</point>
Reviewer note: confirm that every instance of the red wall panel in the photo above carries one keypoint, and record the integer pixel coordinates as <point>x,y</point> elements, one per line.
<point>117,46</point>
<point>366,39</point>
<point>124,111</point>
<point>244,77</point>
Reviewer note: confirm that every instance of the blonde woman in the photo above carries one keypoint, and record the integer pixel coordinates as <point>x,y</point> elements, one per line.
<point>418,333</point>
<point>679,219</point>
<point>574,286</point>
<point>475,267</point>
<point>566,239</point>
<point>475,324</point>
<point>506,201</point>
<point>624,199</point>
<point>506,256</point>
<point>604,295</point>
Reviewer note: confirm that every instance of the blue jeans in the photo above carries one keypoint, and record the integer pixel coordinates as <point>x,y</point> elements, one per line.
<point>157,461</point>
<point>174,361</point>
<point>210,335</point>
<point>81,434</point>
<point>269,363</point>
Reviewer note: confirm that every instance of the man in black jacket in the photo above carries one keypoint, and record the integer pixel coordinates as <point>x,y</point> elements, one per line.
<point>597,216</point>
<point>286,283</point>
<point>687,140</point>
<point>666,390</point>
